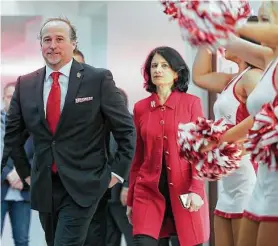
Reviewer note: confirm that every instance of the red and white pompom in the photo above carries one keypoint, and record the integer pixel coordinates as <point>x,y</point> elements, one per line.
<point>208,23</point>
<point>216,163</point>
<point>263,137</point>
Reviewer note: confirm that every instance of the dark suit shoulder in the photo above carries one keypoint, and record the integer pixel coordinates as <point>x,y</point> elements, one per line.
<point>31,75</point>
<point>27,81</point>
<point>98,75</point>
<point>95,70</point>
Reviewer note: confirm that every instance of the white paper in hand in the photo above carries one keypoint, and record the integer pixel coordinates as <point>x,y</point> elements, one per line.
<point>183,199</point>
<point>197,200</point>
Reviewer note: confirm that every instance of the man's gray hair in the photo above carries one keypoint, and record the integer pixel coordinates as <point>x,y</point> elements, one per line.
<point>73,36</point>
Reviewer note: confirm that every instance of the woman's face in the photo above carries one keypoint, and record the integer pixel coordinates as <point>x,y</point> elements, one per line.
<point>161,73</point>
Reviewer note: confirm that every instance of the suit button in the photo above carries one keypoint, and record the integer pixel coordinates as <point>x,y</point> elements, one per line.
<point>53,143</point>
<point>171,184</point>
<point>169,168</point>
<point>167,153</point>
<point>165,137</point>
<point>162,122</point>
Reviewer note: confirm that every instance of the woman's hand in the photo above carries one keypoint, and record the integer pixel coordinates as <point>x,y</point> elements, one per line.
<point>211,145</point>
<point>241,146</point>
<point>194,202</point>
<point>129,214</point>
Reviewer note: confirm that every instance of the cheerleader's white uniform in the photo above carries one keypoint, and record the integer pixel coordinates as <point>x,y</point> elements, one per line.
<point>263,204</point>
<point>234,191</point>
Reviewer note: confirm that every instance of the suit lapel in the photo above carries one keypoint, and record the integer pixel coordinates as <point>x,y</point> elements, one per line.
<point>76,76</point>
<point>39,82</point>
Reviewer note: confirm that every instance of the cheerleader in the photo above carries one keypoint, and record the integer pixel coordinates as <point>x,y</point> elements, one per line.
<point>235,189</point>
<point>259,227</point>
<point>260,223</point>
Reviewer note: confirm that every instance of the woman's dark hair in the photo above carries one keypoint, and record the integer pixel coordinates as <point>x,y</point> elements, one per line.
<point>175,61</point>
<point>251,19</point>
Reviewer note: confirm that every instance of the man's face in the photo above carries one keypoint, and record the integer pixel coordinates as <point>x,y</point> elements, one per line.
<point>56,45</point>
<point>8,93</point>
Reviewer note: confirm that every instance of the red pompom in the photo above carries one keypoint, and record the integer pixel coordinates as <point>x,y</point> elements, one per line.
<point>214,164</point>
<point>263,137</point>
<point>207,23</point>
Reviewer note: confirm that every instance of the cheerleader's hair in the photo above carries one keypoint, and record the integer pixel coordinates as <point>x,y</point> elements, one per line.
<point>271,10</point>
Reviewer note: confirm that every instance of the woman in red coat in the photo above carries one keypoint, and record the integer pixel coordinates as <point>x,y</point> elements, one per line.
<point>158,174</point>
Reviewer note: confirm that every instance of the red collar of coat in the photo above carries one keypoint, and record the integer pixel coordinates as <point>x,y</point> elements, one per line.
<point>170,103</point>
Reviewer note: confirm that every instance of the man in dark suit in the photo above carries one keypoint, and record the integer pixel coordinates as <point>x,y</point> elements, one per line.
<point>15,195</point>
<point>65,107</point>
<point>117,222</point>
<point>110,220</point>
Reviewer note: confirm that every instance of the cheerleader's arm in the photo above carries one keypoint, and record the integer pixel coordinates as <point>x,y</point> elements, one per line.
<point>204,77</point>
<point>276,77</point>
<point>238,132</point>
<point>257,55</point>
<point>264,33</point>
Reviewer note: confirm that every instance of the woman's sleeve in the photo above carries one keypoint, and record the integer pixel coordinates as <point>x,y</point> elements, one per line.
<point>197,185</point>
<point>137,160</point>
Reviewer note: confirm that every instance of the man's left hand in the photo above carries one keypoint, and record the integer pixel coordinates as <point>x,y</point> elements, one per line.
<point>123,196</point>
<point>114,180</point>
<point>28,180</point>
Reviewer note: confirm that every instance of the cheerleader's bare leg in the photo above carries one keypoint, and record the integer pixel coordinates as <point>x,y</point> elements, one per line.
<point>267,234</point>
<point>236,223</point>
<point>223,231</point>
<point>248,233</point>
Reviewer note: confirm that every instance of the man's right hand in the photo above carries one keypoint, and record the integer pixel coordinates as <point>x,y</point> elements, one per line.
<point>129,214</point>
<point>13,177</point>
<point>18,185</point>
<point>14,180</point>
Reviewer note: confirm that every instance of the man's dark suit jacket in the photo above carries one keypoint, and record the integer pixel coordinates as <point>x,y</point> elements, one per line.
<point>116,190</point>
<point>78,145</point>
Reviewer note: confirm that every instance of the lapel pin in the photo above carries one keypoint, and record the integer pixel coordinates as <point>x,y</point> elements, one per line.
<point>78,75</point>
<point>152,104</point>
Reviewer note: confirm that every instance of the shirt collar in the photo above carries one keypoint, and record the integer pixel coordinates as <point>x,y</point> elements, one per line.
<point>65,70</point>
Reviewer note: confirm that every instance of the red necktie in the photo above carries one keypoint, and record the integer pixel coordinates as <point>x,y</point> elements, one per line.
<point>53,107</point>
